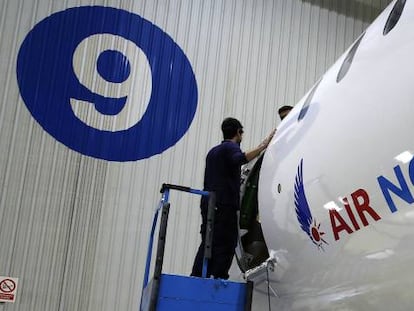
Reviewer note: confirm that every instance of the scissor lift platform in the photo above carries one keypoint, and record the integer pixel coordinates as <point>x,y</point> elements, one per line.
<point>167,292</point>
<point>184,293</point>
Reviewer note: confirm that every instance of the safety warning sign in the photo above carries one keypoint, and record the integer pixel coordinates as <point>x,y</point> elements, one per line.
<point>8,288</point>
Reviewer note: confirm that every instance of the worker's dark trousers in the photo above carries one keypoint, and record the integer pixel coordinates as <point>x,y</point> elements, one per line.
<point>224,242</point>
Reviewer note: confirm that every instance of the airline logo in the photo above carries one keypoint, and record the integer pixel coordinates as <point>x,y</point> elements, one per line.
<point>358,214</point>
<point>308,224</point>
<point>107,83</point>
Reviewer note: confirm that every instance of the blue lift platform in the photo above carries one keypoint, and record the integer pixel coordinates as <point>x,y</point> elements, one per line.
<point>167,292</point>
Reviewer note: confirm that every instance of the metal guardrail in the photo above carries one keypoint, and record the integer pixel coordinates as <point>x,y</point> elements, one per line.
<point>164,205</point>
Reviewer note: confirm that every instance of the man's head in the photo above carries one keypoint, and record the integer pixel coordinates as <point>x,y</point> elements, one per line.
<point>232,128</point>
<point>284,111</point>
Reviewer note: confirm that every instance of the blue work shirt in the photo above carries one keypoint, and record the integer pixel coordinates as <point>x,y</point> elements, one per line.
<point>222,174</point>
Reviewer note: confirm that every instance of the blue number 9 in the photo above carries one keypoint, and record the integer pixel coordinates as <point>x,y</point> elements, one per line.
<point>107,83</point>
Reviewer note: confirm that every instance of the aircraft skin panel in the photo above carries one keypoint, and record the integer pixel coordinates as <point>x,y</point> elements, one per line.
<point>345,171</point>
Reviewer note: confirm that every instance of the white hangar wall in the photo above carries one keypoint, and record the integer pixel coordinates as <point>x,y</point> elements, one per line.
<point>73,228</point>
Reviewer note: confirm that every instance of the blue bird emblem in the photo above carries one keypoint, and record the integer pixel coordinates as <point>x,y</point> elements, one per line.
<point>303,212</point>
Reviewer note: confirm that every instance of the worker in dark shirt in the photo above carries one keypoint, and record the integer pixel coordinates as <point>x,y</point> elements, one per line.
<point>222,175</point>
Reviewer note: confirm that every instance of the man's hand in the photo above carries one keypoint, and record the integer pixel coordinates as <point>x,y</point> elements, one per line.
<point>267,140</point>
<point>250,155</point>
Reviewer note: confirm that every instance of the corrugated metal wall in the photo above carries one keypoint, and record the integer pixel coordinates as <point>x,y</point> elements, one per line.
<point>74,229</point>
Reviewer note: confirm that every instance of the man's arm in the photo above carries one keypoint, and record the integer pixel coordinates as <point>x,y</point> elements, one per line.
<point>251,154</point>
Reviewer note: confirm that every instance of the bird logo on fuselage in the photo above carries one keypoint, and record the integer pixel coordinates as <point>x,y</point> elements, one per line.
<point>303,213</point>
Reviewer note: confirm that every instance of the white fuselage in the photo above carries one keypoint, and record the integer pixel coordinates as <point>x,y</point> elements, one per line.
<point>355,141</point>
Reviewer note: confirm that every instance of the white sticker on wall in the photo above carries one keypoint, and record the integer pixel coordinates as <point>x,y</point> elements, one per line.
<point>8,289</point>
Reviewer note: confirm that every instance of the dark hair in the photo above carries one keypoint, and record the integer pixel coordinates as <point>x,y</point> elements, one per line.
<point>230,127</point>
<point>284,108</point>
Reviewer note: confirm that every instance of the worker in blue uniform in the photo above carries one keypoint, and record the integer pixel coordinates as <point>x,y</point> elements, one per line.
<point>222,175</point>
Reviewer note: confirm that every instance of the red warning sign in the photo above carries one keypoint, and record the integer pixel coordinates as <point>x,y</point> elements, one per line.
<point>8,287</point>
